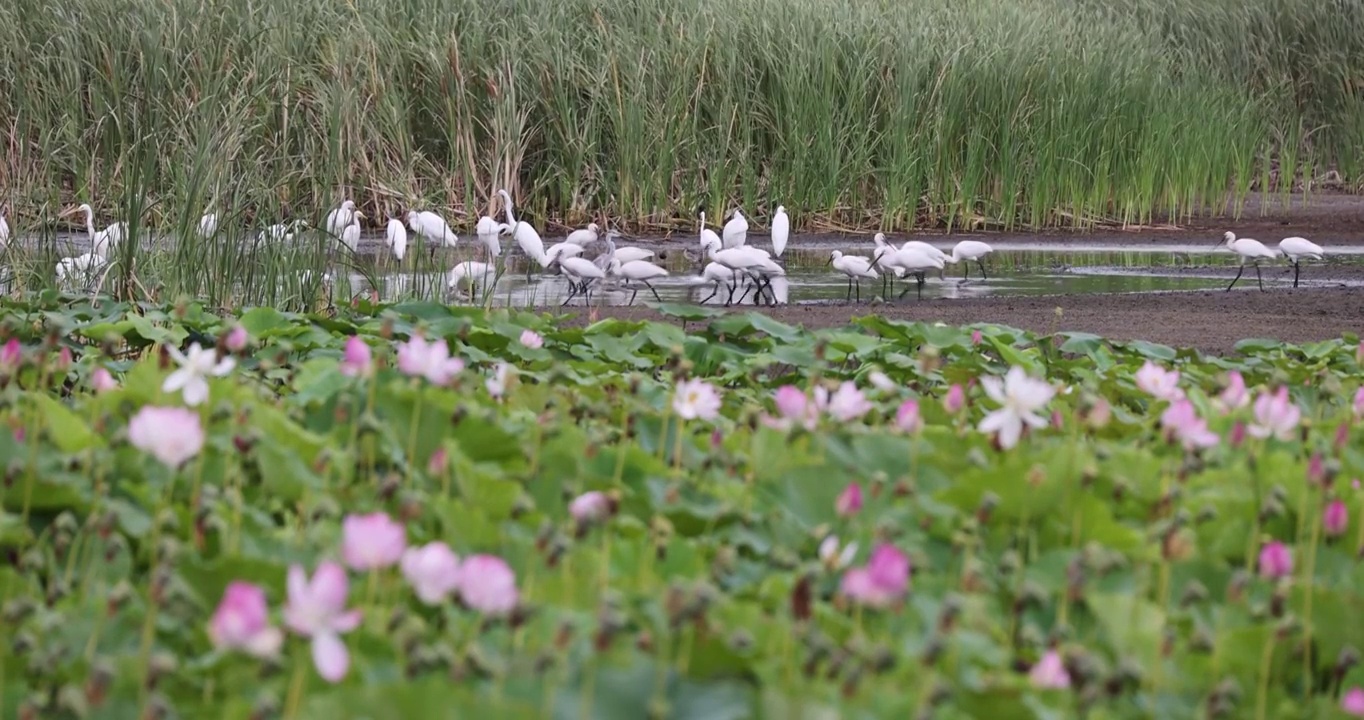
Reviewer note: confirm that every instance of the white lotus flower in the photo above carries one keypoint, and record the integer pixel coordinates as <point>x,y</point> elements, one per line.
<point>194,368</point>
<point>1020,396</point>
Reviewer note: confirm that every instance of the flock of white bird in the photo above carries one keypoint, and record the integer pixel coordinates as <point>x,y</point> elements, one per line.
<point>730,261</point>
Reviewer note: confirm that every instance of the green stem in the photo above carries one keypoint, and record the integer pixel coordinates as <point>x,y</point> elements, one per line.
<point>1308,585</point>
<point>295,696</point>
<point>1266,664</point>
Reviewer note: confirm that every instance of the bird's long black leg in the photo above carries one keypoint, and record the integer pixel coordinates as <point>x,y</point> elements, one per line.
<point>712,294</point>
<point>982,269</point>
<point>632,296</point>
<point>849,296</point>
<point>921,286</point>
<point>1238,277</point>
<point>966,270</point>
<point>572,293</point>
<point>1258,278</point>
<point>652,290</point>
<point>1296,268</point>
<point>858,284</point>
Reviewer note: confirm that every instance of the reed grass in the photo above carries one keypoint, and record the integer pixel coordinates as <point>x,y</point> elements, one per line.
<point>857,114</point>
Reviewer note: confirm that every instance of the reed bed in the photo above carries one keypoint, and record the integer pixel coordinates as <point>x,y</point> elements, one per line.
<point>855,115</point>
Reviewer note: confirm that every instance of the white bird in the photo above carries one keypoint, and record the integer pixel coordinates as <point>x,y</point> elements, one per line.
<point>561,250</point>
<point>626,254</point>
<point>433,228</point>
<point>707,235</point>
<point>82,265</point>
<point>527,238</point>
<point>747,260</point>
<point>340,218</point>
<point>488,231</point>
<point>735,232</point>
<point>396,238</point>
<point>580,272</point>
<point>968,250</point>
<point>1250,251</point>
<point>350,234</point>
<point>718,275</point>
<point>781,231</point>
<point>583,237</point>
<point>282,232</point>
<point>1297,249</point>
<point>856,268</point>
<point>638,271</point>
<point>469,274</point>
<point>912,260</point>
<point>882,256</point>
<point>4,231</point>
<point>103,240</point>
<point>208,225</point>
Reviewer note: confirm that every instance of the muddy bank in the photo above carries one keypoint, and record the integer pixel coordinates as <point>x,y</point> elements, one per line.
<point>1209,321</point>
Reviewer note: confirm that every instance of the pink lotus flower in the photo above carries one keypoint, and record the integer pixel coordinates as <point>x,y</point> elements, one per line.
<point>793,408</point>
<point>848,403</point>
<point>242,622</point>
<point>1335,518</point>
<point>1275,415</point>
<point>881,381</point>
<point>357,360</point>
<point>317,610</point>
<point>975,337</point>
<point>532,339</point>
<point>1234,396</point>
<point>432,570</point>
<point>955,399</point>
<point>907,417</point>
<point>102,381</point>
<point>11,356</point>
<point>881,582</point>
<point>590,507</point>
<point>696,399</point>
<point>1238,434</point>
<point>431,360</point>
<point>436,464</point>
<point>488,585</point>
<point>371,542</point>
<point>170,434</point>
<point>1352,702</point>
<point>1020,397</point>
<point>1050,672</point>
<point>63,360</point>
<point>1158,382</point>
<point>236,339</point>
<point>1359,401</point>
<point>1276,560</point>
<point>1181,422</point>
<point>849,501</point>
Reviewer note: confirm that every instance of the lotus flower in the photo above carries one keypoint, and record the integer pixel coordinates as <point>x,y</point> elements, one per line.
<point>242,622</point>
<point>317,610</point>
<point>371,542</point>
<point>696,399</point>
<point>195,366</point>
<point>170,434</point>
<point>1020,396</point>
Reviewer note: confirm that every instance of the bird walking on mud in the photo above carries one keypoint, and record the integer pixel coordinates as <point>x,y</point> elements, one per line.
<point>856,268</point>
<point>1297,249</point>
<point>1250,251</point>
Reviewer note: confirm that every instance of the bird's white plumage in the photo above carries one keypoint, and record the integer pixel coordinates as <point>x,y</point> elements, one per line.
<point>101,242</point>
<point>583,237</point>
<point>469,273</point>
<point>527,238</point>
<point>636,270</point>
<point>715,272</point>
<point>350,234</point>
<point>707,235</point>
<point>735,232</point>
<point>340,218</point>
<point>4,232</point>
<point>912,260</point>
<point>489,231</point>
<point>79,266</point>
<point>208,225</point>
<point>561,250</point>
<point>1297,248</point>
<point>781,231</point>
<point>396,238</point>
<point>854,266</point>
<point>1249,250</point>
<point>432,227</point>
<point>968,250</point>
<point>927,249</point>
<point>580,269</point>
<point>740,258</point>
<point>882,256</point>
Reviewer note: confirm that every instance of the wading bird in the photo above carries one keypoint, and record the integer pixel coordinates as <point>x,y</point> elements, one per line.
<point>561,250</point>
<point>208,225</point>
<point>584,237</point>
<point>581,273</point>
<point>103,240</point>
<point>340,218</point>
<point>83,265</point>
<point>930,251</point>
<point>718,275</point>
<point>1251,251</point>
<point>781,231</point>
<point>4,231</point>
<point>913,261</point>
<point>626,254</point>
<point>527,238</point>
<point>707,235</point>
<point>968,250</point>
<point>735,232</point>
<point>1297,249</point>
<point>888,270</point>
<point>395,237</point>
<point>752,262</point>
<point>471,275</point>
<point>433,228</point>
<point>855,267</point>
<point>641,271</point>
<point>282,232</point>
<point>350,235</point>
<point>489,232</point>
